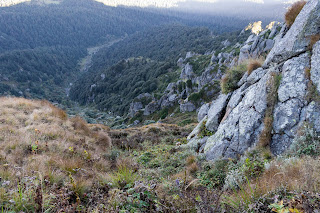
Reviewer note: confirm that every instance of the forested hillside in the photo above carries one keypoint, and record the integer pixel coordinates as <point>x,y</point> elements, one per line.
<point>42,44</point>
<point>113,88</point>
<point>39,73</point>
<point>70,23</point>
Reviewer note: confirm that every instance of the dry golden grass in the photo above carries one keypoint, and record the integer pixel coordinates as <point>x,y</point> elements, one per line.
<point>293,12</point>
<point>254,64</point>
<point>37,137</point>
<point>294,175</point>
<point>191,159</point>
<point>297,174</point>
<point>313,39</point>
<point>266,134</point>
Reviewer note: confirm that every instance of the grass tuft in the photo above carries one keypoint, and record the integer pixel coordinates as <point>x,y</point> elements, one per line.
<point>293,12</point>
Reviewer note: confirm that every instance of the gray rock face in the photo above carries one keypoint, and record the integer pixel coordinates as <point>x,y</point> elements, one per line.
<point>134,108</point>
<point>216,112</point>
<point>268,45</point>
<point>180,62</point>
<point>296,40</point>
<point>203,111</point>
<point>313,115</point>
<point>187,72</point>
<point>187,107</point>
<point>315,65</point>
<point>256,75</point>
<point>170,87</point>
<point>294,82</point>
<point>256,45</point>
<point>190,55</point>
<point>289,110</point>
<point>194,141</point>
<point>151,108</point>
<point>242,126</point>
<point>237,96</point>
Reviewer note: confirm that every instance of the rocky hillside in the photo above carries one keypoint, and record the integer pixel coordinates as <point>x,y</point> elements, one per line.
<point>199,74</point>
<point>270,105</point>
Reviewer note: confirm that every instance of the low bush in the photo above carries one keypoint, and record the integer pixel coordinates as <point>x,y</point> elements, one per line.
<point>229,81</point>
<point>293,12</point>
<point>313,39</point>
<point>307,142</point>
<point>203,131</point>
<point>214,175</point>
<point>254,64</point>
<point>124,177</point>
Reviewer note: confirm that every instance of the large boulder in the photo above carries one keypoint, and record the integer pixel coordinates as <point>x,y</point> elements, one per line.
<point>297,39</point>
<point>187,72</point>
<point>151,108</point>
<point>187,107</point>
<point>134,108</point>
<point>242,127</point>
<point>216,112</point>
<point>281,89</point>
<point>203,111</point>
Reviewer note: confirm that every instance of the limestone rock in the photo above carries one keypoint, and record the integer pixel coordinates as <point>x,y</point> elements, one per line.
<point>187,72</point>
<point>296,40</point>
<point>203,111</point>
<point>187,107</point>
<point>215,113</point>
<point>242,126</point>
<point>151,108</point>
<point>180,62</point>
<point>315,65</point>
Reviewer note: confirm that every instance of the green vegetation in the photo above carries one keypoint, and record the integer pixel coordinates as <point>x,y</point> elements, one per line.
<point>306,143</point>
<point>229,82</point>
<point>39,73</point>
<point>147,169</point>
<point>272,98</point>
<point>199,63</point>
<point>149,68</point>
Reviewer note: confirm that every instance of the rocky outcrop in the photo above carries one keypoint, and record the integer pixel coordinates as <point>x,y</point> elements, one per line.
<point>187,72</point>
<point>203,111</point>
<point>256,45</point>
<point>284,76</point>
<point>187,107</point>
<point>216,112</point>
<point>297,39</point>
<point>206,82</point>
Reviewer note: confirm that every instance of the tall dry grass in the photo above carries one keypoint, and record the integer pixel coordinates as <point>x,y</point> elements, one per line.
<point>293,12</point>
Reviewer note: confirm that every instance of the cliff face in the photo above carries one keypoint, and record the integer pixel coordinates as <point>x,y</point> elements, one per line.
<point>274,101</point>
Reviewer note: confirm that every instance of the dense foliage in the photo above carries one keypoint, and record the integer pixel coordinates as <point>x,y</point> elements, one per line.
<point>42,44</point>
<point>113,88</point>
<point>71,23</point>
<point>38,73</point>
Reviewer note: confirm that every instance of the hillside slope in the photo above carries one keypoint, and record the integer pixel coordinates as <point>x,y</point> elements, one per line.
<point>269,106</point>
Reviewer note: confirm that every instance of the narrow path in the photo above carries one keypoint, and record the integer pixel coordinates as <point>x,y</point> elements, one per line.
<point>86,62</point>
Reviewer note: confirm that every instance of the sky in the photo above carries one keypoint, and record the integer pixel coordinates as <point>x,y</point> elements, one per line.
<point>178,3</point>
<point>269,9</point>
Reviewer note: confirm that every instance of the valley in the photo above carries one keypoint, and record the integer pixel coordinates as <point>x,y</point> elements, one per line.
<point>141,109</point>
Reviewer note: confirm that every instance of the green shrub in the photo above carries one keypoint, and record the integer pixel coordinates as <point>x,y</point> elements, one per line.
<point>203,131</point>
<point>123,177</point>
<point>230,80</point>
<point>189,83</point>
<point>214,175</point>
<point>250,165</point>
<point>306,143</point>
